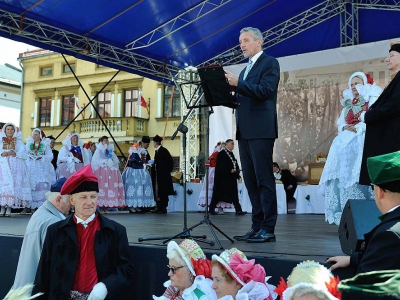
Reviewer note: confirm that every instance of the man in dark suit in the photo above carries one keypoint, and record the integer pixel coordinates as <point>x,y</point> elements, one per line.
<point>257,129</point>
<point>55,152</point>
<point>288,180</point>
<point>162,180</point>
<point>380,251</point>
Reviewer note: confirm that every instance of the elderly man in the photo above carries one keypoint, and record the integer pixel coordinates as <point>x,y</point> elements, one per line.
<point>382,244</point>
<point>86,256</point>
<point>52,211</point>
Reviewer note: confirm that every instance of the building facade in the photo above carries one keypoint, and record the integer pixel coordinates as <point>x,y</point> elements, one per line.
<point>56,102</point>
<point>10,94</point>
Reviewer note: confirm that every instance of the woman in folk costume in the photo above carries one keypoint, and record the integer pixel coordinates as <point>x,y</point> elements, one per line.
<point>137,181</point>
<point>15,190</point>
<point>105,165</point>
<point>71,158</point>
<point>41,170</point>
<point>211,174</point>
<point>237,278</point>
<point>309,280</point>
<point>189,271</point>
<point>89,149</point>
<point>339,180</point>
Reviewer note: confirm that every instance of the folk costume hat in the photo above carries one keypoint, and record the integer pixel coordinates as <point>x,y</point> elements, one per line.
<point>81,181</point>
<point>193,256</point>
<point>384,168</point>
<point>309,277</point>
<point>239,267</point>
<point>157,138</point>
<point>146,139</point>
<point>372,285</point>
<point>56,187</point>
<point>41,133</point>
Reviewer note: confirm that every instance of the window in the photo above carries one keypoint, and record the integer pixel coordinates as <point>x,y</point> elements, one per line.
<point>45,71</point>
<point>104,104</point>
<point>175,109</point>
<point>68,109</point>
<point>67,69</point>
<point>45,111</point>
<point>382,75</point>
<point>131,102</point>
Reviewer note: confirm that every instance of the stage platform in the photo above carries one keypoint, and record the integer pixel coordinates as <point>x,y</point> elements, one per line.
<point>299,237</point>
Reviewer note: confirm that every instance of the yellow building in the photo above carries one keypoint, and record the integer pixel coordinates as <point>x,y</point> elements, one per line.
<point>52,97</point>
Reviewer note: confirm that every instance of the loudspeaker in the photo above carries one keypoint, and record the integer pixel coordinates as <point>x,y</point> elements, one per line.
<point>358,217</point>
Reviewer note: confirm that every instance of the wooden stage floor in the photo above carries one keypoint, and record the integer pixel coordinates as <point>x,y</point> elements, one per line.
<point>299,237</point>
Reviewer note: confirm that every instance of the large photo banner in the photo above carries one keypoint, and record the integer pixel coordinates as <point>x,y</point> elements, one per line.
<point>310,90</point>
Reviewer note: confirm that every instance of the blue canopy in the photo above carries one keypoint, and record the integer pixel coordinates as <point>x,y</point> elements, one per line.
<point>157,38</point>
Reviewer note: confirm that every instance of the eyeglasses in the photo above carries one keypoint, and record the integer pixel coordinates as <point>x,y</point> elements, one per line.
<point>390,56</point>
<point>374,185</point>
<point>173,269</point>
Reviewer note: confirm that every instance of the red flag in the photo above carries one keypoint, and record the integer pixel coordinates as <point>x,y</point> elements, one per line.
<point>143,102</point>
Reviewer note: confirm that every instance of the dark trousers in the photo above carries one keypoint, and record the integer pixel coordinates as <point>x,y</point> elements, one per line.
<point>162,204</point>
<point>256,160</point>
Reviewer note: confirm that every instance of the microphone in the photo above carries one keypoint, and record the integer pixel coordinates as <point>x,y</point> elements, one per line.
<point>229,55</point>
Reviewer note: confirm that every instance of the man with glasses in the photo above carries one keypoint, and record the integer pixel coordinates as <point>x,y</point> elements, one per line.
<point>382,244</point>
<point>382,121</point>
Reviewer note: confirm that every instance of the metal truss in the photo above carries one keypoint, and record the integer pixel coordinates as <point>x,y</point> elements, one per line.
<point>349,25</point>
<point>192,15</point>
<point>348,10</point>
<point>190,91</point>
<point>68,42</point>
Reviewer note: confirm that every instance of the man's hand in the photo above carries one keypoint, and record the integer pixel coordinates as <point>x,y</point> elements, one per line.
<point>99,292</point>
<point>350,128</point>
<point>232,79</point>
<point>339,262</point>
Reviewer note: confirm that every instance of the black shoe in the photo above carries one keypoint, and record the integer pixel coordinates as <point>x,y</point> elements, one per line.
<point>161,211</point>
<point>244,237</point>
<point>241,213</point>
<point>262,237</point>
<point>155,211</point>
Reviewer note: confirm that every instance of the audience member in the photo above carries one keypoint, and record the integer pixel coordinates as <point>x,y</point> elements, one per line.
<point>53,210</point>
<point>309,280</point>
<point>86,255</point>
<point>189,271</point>
<point>235,277</point>
<point>380,251</point>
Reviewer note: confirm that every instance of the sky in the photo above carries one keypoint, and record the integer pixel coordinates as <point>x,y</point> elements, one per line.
<point>9,51</point>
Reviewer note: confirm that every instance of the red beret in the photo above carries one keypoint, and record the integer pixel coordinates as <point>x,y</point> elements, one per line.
<point>81,181</point>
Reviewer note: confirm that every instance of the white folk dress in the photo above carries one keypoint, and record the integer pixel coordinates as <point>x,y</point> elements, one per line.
<point>339,179</point>
<point>41,171</point>
<point>15,190</point>
<point>70,158</point>
<point>105,165</point>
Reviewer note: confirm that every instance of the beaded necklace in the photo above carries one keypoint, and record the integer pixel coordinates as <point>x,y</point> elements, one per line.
<point>36,149</point>
<point>231,158</point>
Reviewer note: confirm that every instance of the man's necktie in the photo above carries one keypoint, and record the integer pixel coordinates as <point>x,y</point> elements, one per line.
<point>247,69</point>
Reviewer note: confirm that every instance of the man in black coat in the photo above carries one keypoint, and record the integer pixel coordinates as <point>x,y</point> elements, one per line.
<point>55,152</point>
<point>161,173</point>
<point>85,255</point>
<point>256,131</point>
<point>380,250</point>
<point>225,179</point>
<point>382,134</point>
<point>288,180</point>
